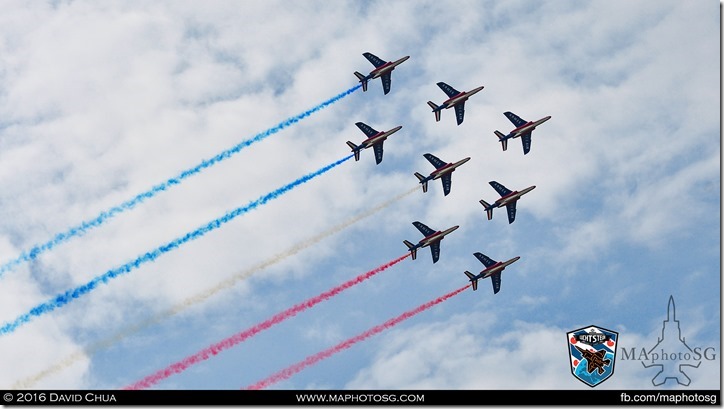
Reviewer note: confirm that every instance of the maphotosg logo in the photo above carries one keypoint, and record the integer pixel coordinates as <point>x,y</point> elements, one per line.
<point>671,355</point>
<point>592,353</point>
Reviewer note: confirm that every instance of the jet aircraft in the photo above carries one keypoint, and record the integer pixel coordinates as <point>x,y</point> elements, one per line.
<point>508,199</point>
<point>442,171</point>
<point>455,99</point>
<point>492,269</point>
<point>382,69</point>
<point>432,238</point>
<point>523,130</point>
<point>596,360</point>
<point>374,139</point>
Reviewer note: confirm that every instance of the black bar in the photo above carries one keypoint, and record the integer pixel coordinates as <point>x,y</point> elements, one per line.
<point>362,397</point>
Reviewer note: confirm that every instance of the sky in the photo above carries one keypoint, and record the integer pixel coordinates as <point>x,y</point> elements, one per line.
<point>101,102</point>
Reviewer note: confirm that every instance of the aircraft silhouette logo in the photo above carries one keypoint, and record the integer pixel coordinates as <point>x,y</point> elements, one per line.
<point>592,354</point>
<point>674,345</point>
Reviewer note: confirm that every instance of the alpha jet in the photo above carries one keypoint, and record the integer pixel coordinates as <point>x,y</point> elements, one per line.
<point>455,99</point>
<point>382,69</point>
<point>508,199</point>
<point>374,139</point>
<point>523,130</point>
<point>432,239</point>
<point>442,171</point>
<point>492,269</point>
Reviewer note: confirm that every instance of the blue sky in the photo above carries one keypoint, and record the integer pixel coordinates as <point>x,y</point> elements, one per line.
<point>100,102</point>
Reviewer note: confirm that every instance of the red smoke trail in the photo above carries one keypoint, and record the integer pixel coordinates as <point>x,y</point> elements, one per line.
<point>229,342</point>
<point>313,359</point>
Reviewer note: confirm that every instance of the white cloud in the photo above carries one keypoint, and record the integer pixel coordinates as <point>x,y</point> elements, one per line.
<point>102,101</point>
<point>467,352</point>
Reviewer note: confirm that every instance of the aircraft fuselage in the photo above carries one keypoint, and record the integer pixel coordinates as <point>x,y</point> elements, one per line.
<point>498,267</point>
<point>380,136</point>
<point>512,197</point>
<point>450,167</point>
<point>461,97</point>
<point>387,67</point>
<point>437,236</point>
<point>526,127</point>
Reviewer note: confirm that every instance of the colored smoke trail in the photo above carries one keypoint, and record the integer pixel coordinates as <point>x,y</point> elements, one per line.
<point>68,296</point>
<point>29,382</point>
<point>84,226</point>
<point>235,339</point>
<point>313,359</point>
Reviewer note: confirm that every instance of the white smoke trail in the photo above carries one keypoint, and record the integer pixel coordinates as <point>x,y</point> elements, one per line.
<point>205,295</point>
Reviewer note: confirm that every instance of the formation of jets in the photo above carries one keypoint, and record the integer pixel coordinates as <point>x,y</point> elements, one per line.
<point>443,170</point>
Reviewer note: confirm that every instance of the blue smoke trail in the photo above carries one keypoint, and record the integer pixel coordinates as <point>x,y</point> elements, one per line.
<point>68,296</point>
<point>78,230</point>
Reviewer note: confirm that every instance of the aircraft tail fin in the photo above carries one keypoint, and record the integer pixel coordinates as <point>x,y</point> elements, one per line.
<point>412,248</point>
<point>502,139</point>
<point>362,79</point>
<point>472,279</point>
<point>355,149</point>
<point>423,181</point>
<point>435,110</point>
<point>488,208</point>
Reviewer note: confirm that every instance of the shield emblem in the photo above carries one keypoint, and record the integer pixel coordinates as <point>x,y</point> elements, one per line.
<point>592,353</point>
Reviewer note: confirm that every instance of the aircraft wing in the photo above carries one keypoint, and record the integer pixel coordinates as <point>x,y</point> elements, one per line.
<point>375,60</point>
<point>511,211</point>
<point>435,248</point>
<point>487,261</point>
<point>525,138</point>
<point>423,229</point>
<point>368,130</point>
<point>515,119</point>
<point>386,81</point>
<point>436,162</point>
<point>450,91</point>
<point>496,282</point>
<point>502,190</point>
<point>378,152</point>
<point>460,112</point>
<point>446,183</point>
